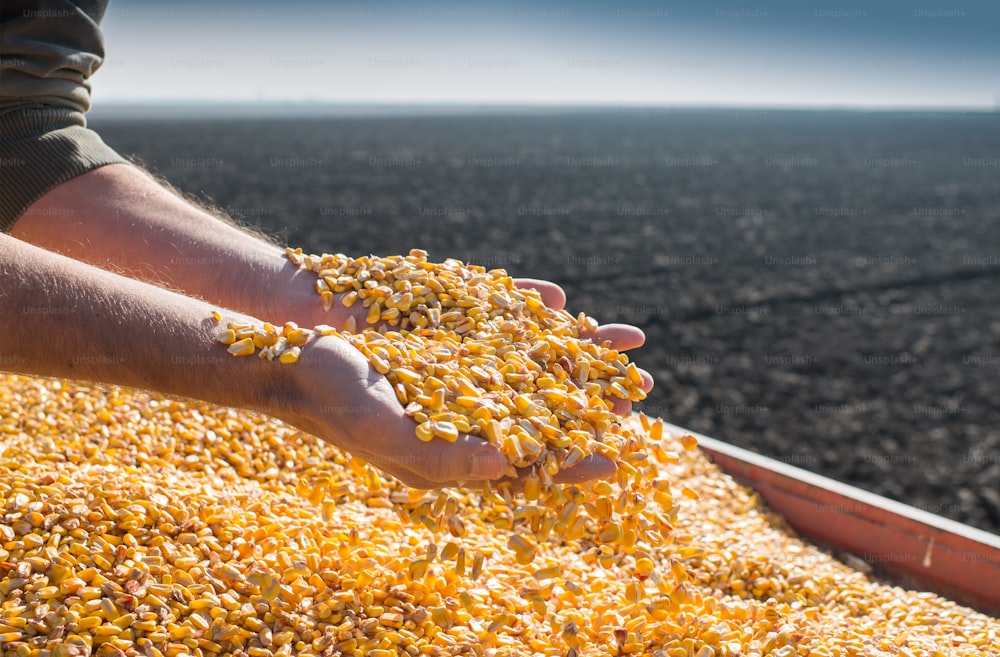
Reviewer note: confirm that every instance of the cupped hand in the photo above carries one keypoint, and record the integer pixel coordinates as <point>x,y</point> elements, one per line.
<point>343,400</point>
<point>338,397</point>
<point>620,337</point>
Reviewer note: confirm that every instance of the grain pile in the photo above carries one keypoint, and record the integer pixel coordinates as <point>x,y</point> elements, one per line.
<point>138,525</point>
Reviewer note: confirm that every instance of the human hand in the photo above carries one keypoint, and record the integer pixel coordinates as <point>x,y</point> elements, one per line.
<point>303,306</point>
<point>616,336</point>
<point>621,337</point>
<point>336,395</point>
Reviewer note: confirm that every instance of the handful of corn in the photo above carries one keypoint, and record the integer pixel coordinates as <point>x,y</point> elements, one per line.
<point>137,525</point>
<point>468,352</point>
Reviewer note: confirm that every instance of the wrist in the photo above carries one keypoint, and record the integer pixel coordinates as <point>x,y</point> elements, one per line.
<point>249,379</point>
<point>282,292</point>
<point>328,371</point>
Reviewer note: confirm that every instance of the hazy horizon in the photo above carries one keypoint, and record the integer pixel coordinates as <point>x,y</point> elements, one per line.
<point>583,52</point>
<point>196,108</point>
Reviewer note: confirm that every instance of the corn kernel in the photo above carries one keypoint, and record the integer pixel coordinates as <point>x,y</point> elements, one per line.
<point>244,347</point>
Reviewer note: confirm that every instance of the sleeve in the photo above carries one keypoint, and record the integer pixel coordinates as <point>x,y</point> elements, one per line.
<point>48,51</point>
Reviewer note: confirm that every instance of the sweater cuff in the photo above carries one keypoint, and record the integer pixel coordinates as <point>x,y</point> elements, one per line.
<point>41,147</point>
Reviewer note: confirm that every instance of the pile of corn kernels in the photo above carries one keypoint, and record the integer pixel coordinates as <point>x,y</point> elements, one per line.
<point>138,525</point>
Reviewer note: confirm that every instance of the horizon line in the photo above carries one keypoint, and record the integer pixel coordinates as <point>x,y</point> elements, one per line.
<point>191,107</point>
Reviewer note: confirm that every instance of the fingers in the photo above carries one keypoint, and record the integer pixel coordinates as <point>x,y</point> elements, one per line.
<point>467,459</point>
<point>553,296</point>
<point>439,463</point>
<point>647,380</point>
<point>594,466</point>
<point>621,336</point>
<point>414,480</point>
<point>620,407</point>
<point>591,467</point>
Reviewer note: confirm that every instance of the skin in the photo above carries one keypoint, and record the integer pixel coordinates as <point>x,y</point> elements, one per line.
<point>112,277</point>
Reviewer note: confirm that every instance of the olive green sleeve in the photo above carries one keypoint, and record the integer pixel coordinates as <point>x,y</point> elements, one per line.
<point>48,51</point>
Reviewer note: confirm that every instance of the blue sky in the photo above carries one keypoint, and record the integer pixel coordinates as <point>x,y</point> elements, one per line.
<point>864,54</point>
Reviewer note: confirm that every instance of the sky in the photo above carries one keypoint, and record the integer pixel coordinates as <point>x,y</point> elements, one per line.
<point>886,54</point>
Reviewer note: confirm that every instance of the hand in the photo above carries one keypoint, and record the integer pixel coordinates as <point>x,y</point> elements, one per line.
<point>344,401</point>
<point>337,396</point>
<point>621,336</point>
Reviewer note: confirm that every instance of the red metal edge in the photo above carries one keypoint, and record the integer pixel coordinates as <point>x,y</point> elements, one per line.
<point>911,547</point>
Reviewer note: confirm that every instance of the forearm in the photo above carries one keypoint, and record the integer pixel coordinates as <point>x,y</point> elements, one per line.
<point>62,318</point>
<point>120,219</point>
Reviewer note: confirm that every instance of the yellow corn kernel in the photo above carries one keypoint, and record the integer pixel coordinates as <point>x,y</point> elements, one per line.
<point>524,551</point>
<point>547,573</point>
<point>477,565</point>
<point>575,455</point>
<point>244,347</point>
<point>89,622</point>
<point>532,488</point>
<point>456,526</point>
<point>449,551</point>
<point>123,621</point>
<point>379,364</point>
<point>290,355</point>
<point>446,430</point>
<point>407,375</point>
<point>611,533</point>
<point>418,568</point>
<point>226,336</point>
<point>644,567</point>
<point>425,431</point>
